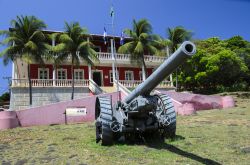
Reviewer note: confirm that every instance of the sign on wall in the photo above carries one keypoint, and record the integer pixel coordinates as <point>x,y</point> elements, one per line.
<point>76,111</point>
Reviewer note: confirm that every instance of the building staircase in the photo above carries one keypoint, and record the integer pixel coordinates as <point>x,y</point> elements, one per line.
<point>110,89</point>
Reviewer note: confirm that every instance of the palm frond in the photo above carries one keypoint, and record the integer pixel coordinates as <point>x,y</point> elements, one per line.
<point>127,48</point>
<point>10,40</point>
<point>37,35</point>
<point>177,35</point>
<point>59,48</point>
<point>31,46</point>
<point>82,46</point>
<point>139,49</point>
<point>65,38</point>
<point>4,33</point>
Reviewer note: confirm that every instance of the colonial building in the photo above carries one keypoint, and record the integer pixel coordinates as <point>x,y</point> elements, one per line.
<point>54,84</point>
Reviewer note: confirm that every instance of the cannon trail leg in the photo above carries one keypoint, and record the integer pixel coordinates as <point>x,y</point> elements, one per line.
<point>103,114</point>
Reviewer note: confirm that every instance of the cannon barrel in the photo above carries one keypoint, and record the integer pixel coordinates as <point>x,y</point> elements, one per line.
<point>186,50</point>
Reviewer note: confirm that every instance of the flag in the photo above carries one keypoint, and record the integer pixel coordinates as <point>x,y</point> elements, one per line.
<point>112,12</point>
<point>104,36</point>
<point>122,39</point>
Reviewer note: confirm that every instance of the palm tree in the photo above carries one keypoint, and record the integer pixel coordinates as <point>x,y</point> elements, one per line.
<point>25,40</point>
<point>75,42</point>
<point>53,38</point>
<point>176,36</point>
<point>142,41</point>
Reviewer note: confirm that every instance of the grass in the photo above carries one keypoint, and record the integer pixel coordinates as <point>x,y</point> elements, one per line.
<point>209,137</point>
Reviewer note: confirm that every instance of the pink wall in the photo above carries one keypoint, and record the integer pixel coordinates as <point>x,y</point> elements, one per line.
<point>8,119</point>
<point>185,104</point>
<point>55,113</point>
<point>188,103</point>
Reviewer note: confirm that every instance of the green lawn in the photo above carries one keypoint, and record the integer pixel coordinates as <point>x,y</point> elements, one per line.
<point>209,137</point>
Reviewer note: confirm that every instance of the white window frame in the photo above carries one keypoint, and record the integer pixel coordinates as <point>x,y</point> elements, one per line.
<point>65,73</point>
<point>129,72</point>
<point>79,70</point>
<point>43,69</point>
<point>101,71</point>
<point>111,76</point>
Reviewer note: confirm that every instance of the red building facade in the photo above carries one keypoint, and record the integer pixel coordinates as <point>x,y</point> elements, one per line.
<point>55,83</point>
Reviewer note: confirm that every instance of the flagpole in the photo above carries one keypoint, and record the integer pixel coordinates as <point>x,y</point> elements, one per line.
<point>112,14</point>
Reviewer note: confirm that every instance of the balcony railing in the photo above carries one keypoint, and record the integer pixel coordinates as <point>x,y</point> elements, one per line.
<point>49,83</point>
<point>134,83</point>
<point>78,83</point>
<point>122,58</point>
<point>126,57</point>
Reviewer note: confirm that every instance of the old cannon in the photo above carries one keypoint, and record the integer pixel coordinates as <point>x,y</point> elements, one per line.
<point>141,114</point>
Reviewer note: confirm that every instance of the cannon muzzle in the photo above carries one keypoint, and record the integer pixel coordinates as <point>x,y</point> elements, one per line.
<point>186,50</point>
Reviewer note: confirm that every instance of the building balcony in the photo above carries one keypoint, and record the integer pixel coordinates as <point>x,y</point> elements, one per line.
<point>124,59</point>
<point>49,83</point>
<point>77,83</point>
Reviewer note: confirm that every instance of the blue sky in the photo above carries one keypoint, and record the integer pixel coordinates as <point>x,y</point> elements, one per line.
<point>206,18</point>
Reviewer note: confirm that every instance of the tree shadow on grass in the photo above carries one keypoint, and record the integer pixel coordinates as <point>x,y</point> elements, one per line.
<point>160,144</point>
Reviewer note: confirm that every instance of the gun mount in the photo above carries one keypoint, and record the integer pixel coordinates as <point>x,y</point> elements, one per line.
<point>141,113</point>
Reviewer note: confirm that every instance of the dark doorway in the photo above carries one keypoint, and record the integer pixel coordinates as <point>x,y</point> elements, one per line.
<point>97,77</point>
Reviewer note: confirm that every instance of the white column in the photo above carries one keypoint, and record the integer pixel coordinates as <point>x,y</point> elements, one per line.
<point>54,71</point>
<point>54,77</point>
<point>143,73</point>
<point>90,72</point>
<point>113,60</point>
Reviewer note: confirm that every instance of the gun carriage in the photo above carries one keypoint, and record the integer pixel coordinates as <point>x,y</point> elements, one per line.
<point>141,113</point>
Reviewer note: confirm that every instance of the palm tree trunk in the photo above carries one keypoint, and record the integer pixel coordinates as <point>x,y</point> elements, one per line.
<point>30,85</point>
<point>73,79</point>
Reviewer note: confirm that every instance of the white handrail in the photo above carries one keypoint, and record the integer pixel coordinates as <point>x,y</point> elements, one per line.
<point>135,83</point>
<point>147,58</point>
<point>77,83</point>
<point>95,88</point>
<point>49,83</point>
<point>122,57</point>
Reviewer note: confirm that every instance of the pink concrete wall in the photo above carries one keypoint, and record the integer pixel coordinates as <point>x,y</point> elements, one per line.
<point>8,119</point>
<point>185,104</point>
<point>188,103</point>
<point>55,113</point>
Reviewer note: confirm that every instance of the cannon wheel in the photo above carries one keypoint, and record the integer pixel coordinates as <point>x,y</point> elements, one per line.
<point>167,106</point>
<point>103,116</point>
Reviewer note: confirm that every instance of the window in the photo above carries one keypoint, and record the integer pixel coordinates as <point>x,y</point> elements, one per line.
<point>111,76</point>
<point>61,74</point>
<point>79,74</point>
<point>97,48</point>
<point>43,73</point>
<point>129,75</point>
<point>109,49</point>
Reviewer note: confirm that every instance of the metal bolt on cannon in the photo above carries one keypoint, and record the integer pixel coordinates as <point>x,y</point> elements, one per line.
<point>141,114</point>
